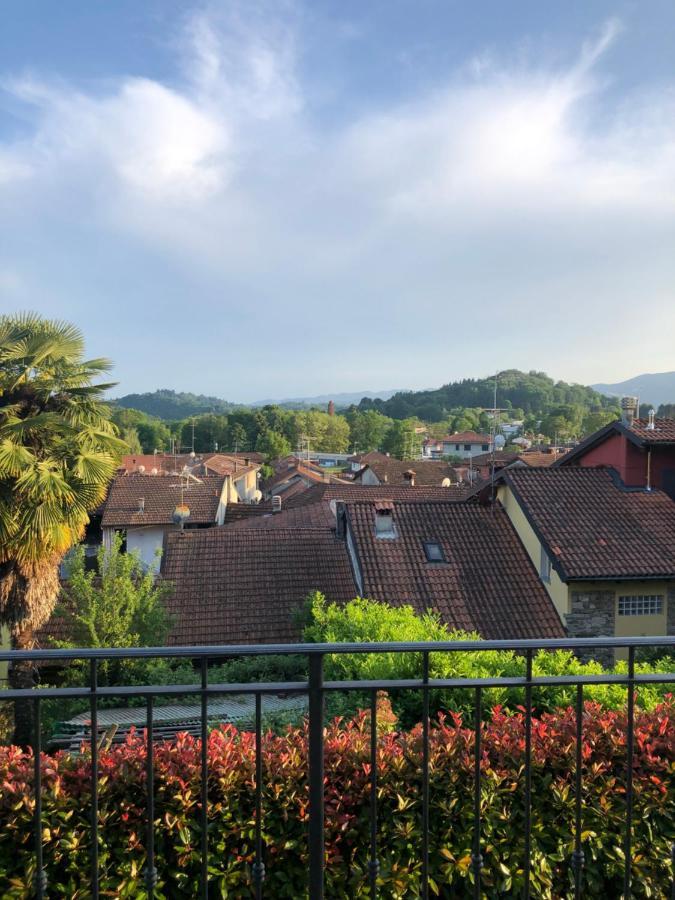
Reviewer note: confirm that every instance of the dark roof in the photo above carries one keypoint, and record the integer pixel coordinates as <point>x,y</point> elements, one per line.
<point>239,586</point>
<point>160,494</point>
<point>355,491</point>
<point>662,433</point>
<point>309,515</point>
<point>501,458</point>
<point>593,526</point>
<point>488,583</point>
<point>393,471</point>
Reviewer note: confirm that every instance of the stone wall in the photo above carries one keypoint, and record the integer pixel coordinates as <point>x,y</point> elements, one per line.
<point>593,614</point>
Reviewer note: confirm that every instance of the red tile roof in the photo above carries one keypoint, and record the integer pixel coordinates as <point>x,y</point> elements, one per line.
<point>355,491</point>
<point>662,433</point>
<point>160,495</point>
<point>239,586</point>
<point>488,583</point>
<point>594,527</point>
<point>393,471</point>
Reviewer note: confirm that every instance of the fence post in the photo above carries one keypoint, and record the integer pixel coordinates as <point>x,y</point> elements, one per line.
<point>316,776</point>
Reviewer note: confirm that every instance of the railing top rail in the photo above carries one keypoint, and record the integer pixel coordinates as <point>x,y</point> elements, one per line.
<point>214,651</point>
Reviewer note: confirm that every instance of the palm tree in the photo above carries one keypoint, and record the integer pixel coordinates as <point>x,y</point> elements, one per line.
<point>58,452</point>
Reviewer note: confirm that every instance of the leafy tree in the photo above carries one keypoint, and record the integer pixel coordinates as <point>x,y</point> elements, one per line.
<point>336,438</point>
<point>236,438</point>
<point>121,604</point>
<point>273,445</point>
<point>593,421</point>
<point>58,452</point>
<point>666,411</point>
<point>367,429</point>
<point>131,439</point>
<point>401,440</point>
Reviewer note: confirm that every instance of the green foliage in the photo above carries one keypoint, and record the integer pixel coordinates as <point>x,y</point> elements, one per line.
<point>273,445</point>
<point>402,441</point>
<point>231,754</point>
<point>364,621</point>
<point>526,393</point>
<point>165,404</point>
<point>367,429</point>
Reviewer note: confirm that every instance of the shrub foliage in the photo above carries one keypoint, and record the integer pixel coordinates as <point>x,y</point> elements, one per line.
<point>231,755</point>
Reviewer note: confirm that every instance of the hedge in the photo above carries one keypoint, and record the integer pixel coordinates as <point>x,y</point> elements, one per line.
<point>231,754</point>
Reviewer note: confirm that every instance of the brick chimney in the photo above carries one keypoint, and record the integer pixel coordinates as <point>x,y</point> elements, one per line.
<point>629,410</point>
<point>331,408</point>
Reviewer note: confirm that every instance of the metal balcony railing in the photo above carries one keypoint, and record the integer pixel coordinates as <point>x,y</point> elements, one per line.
<point>316,688</point>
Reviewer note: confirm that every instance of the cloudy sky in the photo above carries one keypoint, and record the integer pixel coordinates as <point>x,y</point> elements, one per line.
<point>270,199</point>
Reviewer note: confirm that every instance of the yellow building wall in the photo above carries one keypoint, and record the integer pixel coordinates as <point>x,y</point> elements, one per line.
<point>560,592</point>
<point>557,589</point>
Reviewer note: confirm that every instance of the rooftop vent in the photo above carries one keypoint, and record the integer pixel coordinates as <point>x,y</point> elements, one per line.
<point>276,503</point>
<point>409,477</point>
<point>141,469</point>
<point>651,424</point>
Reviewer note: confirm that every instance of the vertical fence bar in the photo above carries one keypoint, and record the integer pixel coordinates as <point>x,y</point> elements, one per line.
<point>204,819</point>
<point>528,775</point>
<point>40,874</point>
<point>316,778</point>
<point>373,863</point>
<point>425,776</point>
<point>150,871</point>
<point>627,849</point>
<point>578,855</point>
<point>258,865</point>
<point>476,858</point>
<point>93,686</point>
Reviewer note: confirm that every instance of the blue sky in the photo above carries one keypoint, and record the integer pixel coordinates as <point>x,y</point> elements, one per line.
<point>257,199</point>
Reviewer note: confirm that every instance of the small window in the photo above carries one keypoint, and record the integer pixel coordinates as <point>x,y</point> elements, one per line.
<point>456,446</point>
<point>467,446</point>
<point>433,552</point>
<point>544,566</point>
<point>484,446</point>
<point>641,605</point>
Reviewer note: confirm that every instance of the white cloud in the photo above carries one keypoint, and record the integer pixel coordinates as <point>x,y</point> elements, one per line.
<point>490,202</point>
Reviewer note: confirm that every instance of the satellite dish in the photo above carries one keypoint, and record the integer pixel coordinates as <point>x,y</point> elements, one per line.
<point>257,496</point>
<point>446,482</point>
<point>141,469</point>
<point>500,441</point>
<point>153,471</point>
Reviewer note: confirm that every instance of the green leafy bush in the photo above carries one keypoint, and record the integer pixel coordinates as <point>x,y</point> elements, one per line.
<point>66,831</point>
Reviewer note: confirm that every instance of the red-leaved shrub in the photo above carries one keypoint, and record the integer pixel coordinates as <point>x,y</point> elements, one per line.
<point>231,755</point>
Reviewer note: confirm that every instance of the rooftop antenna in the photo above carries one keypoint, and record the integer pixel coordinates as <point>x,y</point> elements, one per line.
<point>193,434</point>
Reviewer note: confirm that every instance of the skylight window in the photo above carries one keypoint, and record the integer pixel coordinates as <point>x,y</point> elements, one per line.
<point>433,552</point>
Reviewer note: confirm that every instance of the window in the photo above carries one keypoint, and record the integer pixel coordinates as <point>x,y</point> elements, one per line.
<point>456,446</point>
<point>467,446</point>
<point>641,605</point>
<point>433,551</point>
<point>484,446</point>
<point>544,565</point>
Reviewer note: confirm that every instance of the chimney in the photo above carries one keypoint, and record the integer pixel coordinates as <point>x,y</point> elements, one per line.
<point>247,461</point>
<point>384,519</point>
<point>629,410</point>
<point>141,504</point>
<point>331,408</point>
<point>409,477</point>
<point>276,503</point>
<point>651,425</point>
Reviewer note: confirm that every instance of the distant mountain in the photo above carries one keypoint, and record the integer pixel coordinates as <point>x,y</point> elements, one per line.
<point>167,404</point>
<point>657,389</point>
<point>340,400</point>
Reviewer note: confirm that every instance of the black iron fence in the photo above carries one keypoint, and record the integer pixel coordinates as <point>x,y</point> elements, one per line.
<point>316,689</point>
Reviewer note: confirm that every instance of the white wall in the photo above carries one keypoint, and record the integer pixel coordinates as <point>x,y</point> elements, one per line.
<point>147,541</point>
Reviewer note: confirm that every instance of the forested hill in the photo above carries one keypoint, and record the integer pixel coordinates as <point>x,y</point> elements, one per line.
<point>170,405</point>
<point>533,393</point>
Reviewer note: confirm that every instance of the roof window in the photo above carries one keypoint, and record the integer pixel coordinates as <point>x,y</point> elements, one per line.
<point>433,551</point>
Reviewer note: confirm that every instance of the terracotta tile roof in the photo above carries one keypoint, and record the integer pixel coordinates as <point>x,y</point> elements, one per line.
<point>461,437</point>
<point>488,583</point>
<point>393,471</point>
<point>310,515</point>
<point>540,457</point>
<point>501,458</point>
<point>663,431</point>
<point>593,526</point>
<point>238,586</point>
<point>160,494</point>
<point>220,464</point>
<point>355,491</point>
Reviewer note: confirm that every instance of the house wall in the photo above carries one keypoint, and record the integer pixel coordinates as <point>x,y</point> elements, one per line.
<point>556,589</point>
<point>147,541</point>
<point>369,477</point>
<point>246,486</point>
